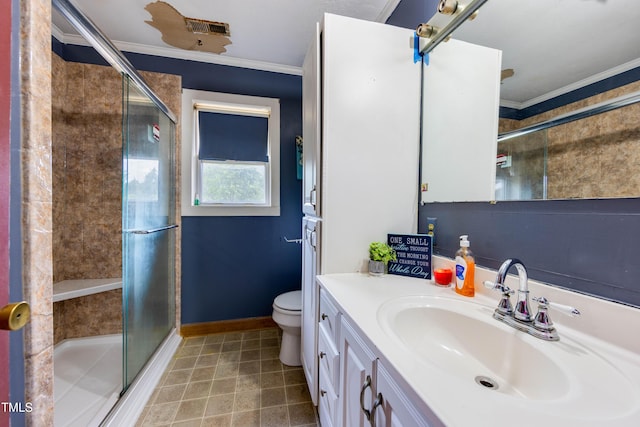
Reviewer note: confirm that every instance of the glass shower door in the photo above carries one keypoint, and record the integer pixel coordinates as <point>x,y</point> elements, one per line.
<point>148,229</point>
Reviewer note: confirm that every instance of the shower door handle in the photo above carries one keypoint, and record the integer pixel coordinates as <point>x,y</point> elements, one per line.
<point>152,230</point>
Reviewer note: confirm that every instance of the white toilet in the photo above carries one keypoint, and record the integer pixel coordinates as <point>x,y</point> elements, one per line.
<point>287,313</point>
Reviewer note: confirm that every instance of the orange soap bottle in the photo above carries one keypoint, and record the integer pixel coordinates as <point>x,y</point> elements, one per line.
<point>465,269</point>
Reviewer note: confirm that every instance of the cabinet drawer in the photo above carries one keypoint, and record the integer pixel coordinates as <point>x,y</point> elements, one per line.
<point>329,316</point>
<point>328,356</point>
<point>328,401</point>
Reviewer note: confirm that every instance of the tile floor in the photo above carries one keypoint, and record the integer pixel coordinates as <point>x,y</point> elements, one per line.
<point>230,379</point>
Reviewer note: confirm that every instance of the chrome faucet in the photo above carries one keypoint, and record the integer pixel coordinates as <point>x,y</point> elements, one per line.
<point>521,311</point>
<point>541,325</point>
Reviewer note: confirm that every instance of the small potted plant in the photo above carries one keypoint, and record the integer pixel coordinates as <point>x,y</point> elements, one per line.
<point>379,255</point>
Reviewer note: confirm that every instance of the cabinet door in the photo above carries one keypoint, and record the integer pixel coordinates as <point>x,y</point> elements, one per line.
<point>392,407</point>
<point>370,128</point>
<point>310,297</point>
<point>358,380</point>
<point>311,128</point>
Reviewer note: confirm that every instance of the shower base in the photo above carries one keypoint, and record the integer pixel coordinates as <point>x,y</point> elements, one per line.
<point>87,379</point>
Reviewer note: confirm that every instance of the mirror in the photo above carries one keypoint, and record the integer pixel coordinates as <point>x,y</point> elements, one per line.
<point>559,56</point>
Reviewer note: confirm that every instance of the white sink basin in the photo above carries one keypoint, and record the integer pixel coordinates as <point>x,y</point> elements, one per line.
<point>461,339</point>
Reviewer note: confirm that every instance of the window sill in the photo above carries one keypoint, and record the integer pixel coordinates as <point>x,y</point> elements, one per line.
<point>203,210</point>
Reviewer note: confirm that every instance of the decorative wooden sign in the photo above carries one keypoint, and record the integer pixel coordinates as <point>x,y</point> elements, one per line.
<point>414,255</point>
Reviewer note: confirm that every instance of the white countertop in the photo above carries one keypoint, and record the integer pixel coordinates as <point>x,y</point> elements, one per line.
<point>603,328</point>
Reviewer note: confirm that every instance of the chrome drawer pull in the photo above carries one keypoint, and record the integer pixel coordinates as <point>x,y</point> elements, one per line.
<point>365,385</point>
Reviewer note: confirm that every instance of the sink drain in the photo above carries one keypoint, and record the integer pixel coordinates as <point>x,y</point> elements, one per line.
<point>486,382</point>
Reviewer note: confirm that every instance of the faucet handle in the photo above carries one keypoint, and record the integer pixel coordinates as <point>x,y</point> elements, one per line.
<point>504,306</point>
<point>497,287</point>
<point>489,284</point>
<point>542,321</point>
<point>564,309</point>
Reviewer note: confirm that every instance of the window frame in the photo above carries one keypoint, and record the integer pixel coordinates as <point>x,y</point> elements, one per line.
<point>236,104</point>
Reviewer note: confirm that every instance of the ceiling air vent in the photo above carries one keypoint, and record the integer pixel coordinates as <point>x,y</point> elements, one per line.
<point>201,26</point>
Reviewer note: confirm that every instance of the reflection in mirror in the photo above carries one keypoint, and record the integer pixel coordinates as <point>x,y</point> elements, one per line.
<point>521,167</point>
<point>552,65</point>
<point>596,157</point>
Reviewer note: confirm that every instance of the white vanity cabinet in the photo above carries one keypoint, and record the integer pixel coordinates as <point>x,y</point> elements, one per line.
<point>368,393</point>
<point>328,361</point>
<point>398,332</point>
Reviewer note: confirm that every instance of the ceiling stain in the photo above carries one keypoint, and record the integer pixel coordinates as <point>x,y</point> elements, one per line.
<point>506,73</point>
<point>173,26</point>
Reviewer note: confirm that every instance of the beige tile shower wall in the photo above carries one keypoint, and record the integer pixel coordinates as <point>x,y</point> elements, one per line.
<point>87,187</point>
<point>36,214</point>
<point>598,156</point>
<point>91,315</point>
<point>87,202</point>
<point>594,157</point>
<point>58,136</point>
<point>87,165</point>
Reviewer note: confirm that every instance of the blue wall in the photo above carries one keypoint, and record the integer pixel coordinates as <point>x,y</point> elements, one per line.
<point>411,13</point>
<point>233,267</point>
<point>585,245</point>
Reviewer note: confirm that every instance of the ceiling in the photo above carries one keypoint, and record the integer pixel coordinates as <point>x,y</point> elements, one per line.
<point>271,35</point>
<point>553,46</point>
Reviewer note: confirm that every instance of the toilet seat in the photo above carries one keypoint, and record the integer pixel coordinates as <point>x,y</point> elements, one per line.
<point>289,302</point>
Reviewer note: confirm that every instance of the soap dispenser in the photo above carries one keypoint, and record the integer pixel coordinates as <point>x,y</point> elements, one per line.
<point>465,269</point>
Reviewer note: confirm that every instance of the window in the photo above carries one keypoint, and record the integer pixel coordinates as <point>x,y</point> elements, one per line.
<point>231,155</point>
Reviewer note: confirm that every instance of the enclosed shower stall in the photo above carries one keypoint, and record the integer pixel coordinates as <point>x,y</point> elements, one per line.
<point>114,225</point>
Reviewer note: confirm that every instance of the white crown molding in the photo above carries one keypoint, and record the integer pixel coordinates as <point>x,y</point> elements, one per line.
<point>573,86</point>
<point>387,10</point>
<point>510,104</point>
<point>183,54</point>
<point>56,32</point>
